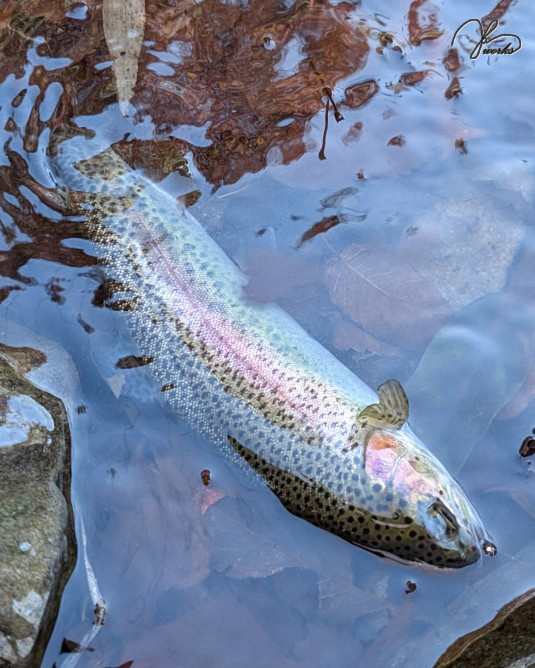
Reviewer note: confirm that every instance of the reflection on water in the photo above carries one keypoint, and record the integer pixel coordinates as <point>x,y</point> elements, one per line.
<point>408,252</point>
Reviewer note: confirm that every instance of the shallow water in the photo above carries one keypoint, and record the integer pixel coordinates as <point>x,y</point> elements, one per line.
<point>410,258</point>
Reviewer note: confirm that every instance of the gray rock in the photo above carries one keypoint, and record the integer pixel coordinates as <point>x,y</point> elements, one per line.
<point>508,641</point>
<point>506,577</point>
<point>37,545</point>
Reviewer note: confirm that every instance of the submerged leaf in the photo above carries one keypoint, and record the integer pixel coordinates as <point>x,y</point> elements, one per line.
<point>471,369</point>
<point>322,226</point>
<point>133,361</point>
<point>385,295</point>
<point>413,78</point>
<point>523,398</point>
<point>359,94</point>
<point>423,22</point>
<point>348,336</point>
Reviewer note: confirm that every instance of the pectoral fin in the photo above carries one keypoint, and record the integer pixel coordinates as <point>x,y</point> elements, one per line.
<point>392,411</point>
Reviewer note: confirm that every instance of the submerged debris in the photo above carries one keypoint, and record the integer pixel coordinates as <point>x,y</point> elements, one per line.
<point>411,587</point>
<point>528,446</point>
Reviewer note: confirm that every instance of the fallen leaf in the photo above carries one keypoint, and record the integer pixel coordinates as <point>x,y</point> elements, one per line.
<point>411,587</point>
<point>497,13</point>
<point>470,370</point>
<point>243,117</point>
<point>451,60</point>
<point>347,336</point>
<point>399,140</point>
<point>339,602</point>
<point>133,361</point>
<point>413,78</point>
<point>124,26</point>
<point>322,226</point>
<point>385,295</point>
<point>359,94</point>
<point>454,89</point>
<point>460,144</point>
<point>527,449</point>
<point>523,398</point>
<point>423,22</point>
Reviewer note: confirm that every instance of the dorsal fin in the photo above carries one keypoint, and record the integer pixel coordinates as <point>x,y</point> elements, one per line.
<point>392,410</point>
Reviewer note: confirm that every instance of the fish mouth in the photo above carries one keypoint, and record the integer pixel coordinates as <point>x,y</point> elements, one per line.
<point>471,529</point>
<point>461,535</point>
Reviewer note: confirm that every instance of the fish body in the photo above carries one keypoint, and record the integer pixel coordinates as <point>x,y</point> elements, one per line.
<point>252,381</point>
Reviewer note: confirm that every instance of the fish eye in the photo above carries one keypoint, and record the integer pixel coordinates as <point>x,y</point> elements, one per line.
<point>438,508</point>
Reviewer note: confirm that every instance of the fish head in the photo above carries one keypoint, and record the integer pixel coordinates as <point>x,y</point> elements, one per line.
<point>444,527</point>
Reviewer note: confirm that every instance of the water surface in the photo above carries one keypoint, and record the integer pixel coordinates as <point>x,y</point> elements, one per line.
<point>401,237</point>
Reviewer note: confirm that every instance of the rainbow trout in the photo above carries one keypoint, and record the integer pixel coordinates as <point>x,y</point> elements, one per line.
<point>249,379</point>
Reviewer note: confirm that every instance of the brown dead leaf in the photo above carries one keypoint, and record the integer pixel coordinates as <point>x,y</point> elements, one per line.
<point>133,361</point>
<point>359,94</point>
<point>385,295</point>
<point>322,226</point>
<point>398,140</point>
<point>411,587</point>
<point>527,447</point>
<point>413,78</point>
<point>124,26</point>
<point>451,60</point>
<point>423,22</point>
<point>460,145</point>
<point>454,89</point>
<point>243,98</point>
<point>496,14</point>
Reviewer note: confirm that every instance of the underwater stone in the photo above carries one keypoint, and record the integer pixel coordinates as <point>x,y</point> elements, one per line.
<point>37,547</point>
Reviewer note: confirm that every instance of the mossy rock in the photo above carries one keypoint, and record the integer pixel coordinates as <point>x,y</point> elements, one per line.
<point>37,545</point>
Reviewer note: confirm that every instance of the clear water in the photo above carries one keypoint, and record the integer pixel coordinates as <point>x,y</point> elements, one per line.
<point>427,277</point>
